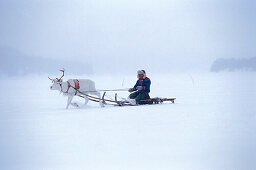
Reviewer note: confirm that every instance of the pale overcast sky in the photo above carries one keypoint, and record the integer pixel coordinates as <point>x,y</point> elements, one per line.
<point>116,34</point>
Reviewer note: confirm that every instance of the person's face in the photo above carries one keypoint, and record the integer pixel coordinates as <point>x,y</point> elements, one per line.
<point>141,76</point>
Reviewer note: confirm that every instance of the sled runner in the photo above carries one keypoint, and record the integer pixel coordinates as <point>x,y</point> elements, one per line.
<point>156,100</point>
<point>116,102</point>
<point>151,101</point>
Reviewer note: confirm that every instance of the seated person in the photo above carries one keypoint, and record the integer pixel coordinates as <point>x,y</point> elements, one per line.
<point>141,89</point>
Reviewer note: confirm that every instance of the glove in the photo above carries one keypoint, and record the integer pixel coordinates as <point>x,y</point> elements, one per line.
<point>139,88</point>
<point>131,90</point>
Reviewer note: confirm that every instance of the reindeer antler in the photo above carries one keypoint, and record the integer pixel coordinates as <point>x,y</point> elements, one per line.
<point>63,70</point>
<point>50,78</point>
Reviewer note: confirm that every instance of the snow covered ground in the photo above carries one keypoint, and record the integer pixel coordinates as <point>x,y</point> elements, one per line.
<point>212,125</point>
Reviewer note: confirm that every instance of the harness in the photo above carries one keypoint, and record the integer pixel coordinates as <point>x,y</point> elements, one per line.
<point>77,86</point>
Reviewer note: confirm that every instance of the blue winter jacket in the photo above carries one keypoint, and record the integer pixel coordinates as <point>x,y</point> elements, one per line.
<point>144,83</point>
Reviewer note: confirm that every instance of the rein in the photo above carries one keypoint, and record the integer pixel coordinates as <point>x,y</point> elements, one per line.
<point>77,86</point>
<point>92,98</point>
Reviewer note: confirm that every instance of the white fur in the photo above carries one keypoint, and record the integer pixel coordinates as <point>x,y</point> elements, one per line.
<point>86,87</point>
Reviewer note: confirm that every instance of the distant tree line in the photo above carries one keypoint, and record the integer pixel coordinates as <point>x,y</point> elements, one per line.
<point>14,63</point>
<point>233,64</point>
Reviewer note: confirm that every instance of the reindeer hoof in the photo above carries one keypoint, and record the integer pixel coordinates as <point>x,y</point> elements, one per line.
<point>76,105</point>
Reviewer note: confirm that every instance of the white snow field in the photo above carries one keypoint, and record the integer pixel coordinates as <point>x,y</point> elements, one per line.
<point>212,125</point>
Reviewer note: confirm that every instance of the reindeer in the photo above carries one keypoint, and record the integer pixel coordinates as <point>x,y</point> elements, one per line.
<point>74,87</point>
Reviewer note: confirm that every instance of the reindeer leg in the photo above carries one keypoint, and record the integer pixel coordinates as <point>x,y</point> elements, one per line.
<point>69,100</point>
<point>99,96</point>
<point>86,100</point>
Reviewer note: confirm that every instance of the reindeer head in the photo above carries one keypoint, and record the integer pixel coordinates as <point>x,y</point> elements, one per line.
<point>57,82</point>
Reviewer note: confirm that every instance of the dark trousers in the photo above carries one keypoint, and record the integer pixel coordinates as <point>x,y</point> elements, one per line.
<point>138,96</point>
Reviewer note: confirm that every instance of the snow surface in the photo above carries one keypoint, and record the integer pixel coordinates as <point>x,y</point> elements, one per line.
<point>212,125</point>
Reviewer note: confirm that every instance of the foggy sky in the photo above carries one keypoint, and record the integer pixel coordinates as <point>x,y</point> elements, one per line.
<point>118,35</point>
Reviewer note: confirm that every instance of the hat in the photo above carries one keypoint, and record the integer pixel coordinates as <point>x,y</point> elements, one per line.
<point>141,72</point>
